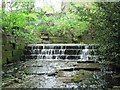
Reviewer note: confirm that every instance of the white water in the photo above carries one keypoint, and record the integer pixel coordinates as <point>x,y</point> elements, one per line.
<point>80,52</point>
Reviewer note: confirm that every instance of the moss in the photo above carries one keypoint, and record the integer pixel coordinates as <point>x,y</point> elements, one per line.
<point>8,53</point>
<point>9,59</point>
<point>10,56</point>
<point>7,47</point>
<point>17,52</point>
<point>20,45</point>
<point>89,65</point>
<point>82,43</point>
<point>16,58</point>
<point>4,60</point>
<point>6,56</point>
<point>81,75</point>
<point>0,62</point>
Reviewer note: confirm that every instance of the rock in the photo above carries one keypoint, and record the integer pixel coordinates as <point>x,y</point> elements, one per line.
<point>79,68</point>
<point>89,66</point>
<point>34,66</point>
<point>116,80</point>
<point>7,83</point>
<point>86,61</point>
<point>60,73</point>
<point>52,74</point>
<point>16,80</point>
<point>81,75</point>
<point>65,79</point>
<point>116,87</point>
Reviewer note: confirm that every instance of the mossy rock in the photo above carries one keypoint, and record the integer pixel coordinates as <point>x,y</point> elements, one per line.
<point>81,75</point>
<point>6,57</point>
<point>15,58</point>
<point>17,52</point>
<point>89,65</point>
<point>7,47</point>
<point>1,62</point>
<point>4,39</point>
<point>20,46</point>
<point>17,55</point>
<point>4,61</point>
<point>65,79</point>
<point>3,53</point>
<point>9,59</point>
<point>8,53</point>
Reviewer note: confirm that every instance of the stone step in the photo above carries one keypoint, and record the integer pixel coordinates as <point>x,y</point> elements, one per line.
<point>45,41</point>
<point>52,73</point>
<point>58,51</point>
<point>90,61</point>
<point>79,68</point>
<point>58,57</point>
<point>84,66</point>
<point>115,88</point>
<point>44,37</point>
<point>88,65</point>
<point>44,34</point>
<point>59,46</point>
<point>52,57</point>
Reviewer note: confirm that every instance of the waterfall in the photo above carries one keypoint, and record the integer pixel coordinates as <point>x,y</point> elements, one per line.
<point>60,51</point>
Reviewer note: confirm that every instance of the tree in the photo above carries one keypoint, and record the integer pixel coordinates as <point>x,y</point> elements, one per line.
<point>107,30</point>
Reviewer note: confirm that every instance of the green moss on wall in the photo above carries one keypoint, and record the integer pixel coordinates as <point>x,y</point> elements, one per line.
<point>12,49</point>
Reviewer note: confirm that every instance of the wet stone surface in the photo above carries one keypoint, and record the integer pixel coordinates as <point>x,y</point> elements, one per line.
<point>51,74</point>
<point>35,73</point>
<point>50,66</point>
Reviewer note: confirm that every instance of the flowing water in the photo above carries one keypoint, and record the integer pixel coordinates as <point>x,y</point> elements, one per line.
<point>42,63</point>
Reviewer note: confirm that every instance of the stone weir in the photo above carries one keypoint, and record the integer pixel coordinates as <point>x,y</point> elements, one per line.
<point>82,52</point>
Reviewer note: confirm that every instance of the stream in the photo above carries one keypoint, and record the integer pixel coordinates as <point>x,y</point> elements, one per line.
<point>55,66</point>
<point>37,74</point>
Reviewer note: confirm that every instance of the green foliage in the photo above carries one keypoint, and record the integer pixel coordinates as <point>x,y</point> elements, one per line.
<point>104,20</point>
<point>67,22</point>
<point>104,25</point>
<point>19,22</point>
<point>107,30</point>
<point>25,21</point>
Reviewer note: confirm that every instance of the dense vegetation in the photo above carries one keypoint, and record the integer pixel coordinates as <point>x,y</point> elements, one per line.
<point>27,22</point>
<point>100,20</point>
<point>17,22</point>
<point>107,31</point>
<point>104,28</point>
<point>106,23</point>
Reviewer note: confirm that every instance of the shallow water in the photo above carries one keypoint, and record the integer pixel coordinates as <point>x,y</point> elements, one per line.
<point>34,73</point>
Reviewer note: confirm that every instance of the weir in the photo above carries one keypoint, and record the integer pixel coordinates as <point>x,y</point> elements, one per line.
<point>57,65</point>
<point>82,52</point>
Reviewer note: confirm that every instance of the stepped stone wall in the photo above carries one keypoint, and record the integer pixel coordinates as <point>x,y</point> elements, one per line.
<point>67,38</point>
<point>12,48</point>
<point>48,38</point>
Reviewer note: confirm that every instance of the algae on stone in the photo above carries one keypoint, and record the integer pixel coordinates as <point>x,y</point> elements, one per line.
<point>81,75</point>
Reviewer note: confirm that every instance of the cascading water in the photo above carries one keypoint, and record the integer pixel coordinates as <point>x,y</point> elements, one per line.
<point>53,65</point>
<point>60,51</point>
